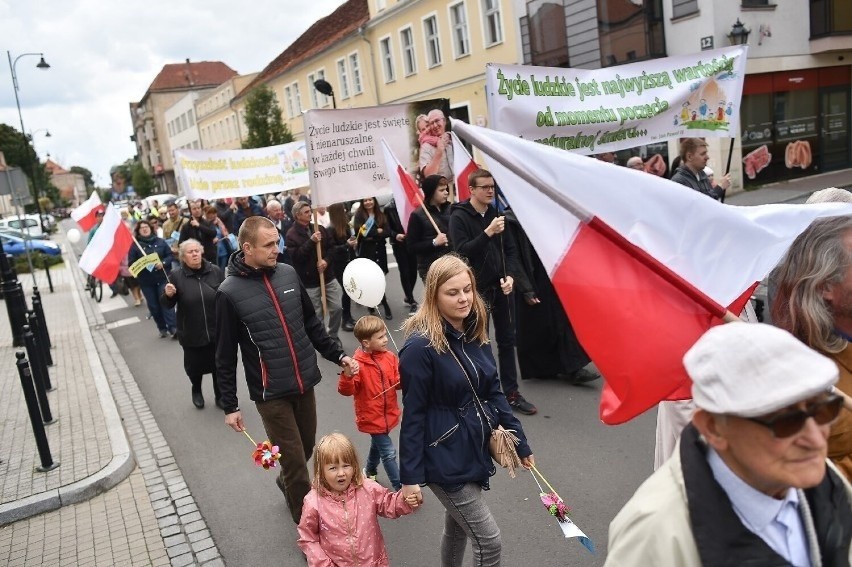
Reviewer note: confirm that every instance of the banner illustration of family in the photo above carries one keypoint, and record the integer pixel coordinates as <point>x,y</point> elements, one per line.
<point>615,108</point>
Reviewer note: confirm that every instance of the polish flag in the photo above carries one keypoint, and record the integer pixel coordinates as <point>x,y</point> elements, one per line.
<point>407,195</point>
<point>463,166</point>
<point>642,266</point>
<point>108,247</point>
<point>85,213</point>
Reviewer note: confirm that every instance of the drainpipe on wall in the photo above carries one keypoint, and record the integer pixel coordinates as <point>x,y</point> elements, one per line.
<point>362,31</point>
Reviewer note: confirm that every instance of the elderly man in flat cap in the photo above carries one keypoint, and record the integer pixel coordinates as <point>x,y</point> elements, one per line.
<point>749,483</point>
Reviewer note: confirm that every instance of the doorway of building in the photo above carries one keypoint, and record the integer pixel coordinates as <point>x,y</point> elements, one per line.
<point>834,128</point>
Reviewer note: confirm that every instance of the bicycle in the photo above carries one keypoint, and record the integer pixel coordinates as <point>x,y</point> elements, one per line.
<point>95,287</point>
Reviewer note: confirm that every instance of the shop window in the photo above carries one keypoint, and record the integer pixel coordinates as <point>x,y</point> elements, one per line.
<point>829,17</point>
<point>630,32</point>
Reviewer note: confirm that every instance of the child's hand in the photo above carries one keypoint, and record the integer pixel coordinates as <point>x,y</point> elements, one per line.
<point>412,494</point>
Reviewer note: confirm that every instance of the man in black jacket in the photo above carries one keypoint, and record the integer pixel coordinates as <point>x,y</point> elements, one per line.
<point>477,233</point>
<point>263,308</point>
<point>693,160</point>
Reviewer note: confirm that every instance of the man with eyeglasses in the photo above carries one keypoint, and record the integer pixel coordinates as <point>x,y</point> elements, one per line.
<point>479,234</point>
<point>813,300</point>
<point>437,159</point>
<point>750,483</point>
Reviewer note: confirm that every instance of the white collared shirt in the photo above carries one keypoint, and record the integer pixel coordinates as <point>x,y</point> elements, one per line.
<point>776,522</point>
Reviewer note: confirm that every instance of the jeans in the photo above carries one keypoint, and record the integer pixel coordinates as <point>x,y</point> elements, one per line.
<point>381,447</point>
<point>466,516</point>
<point>502,309</point>
<point>291,423</point>
<point>332,300</point>
<point>164,318</point>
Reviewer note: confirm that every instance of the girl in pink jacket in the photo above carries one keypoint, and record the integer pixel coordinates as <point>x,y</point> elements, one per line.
<point>339,525</point>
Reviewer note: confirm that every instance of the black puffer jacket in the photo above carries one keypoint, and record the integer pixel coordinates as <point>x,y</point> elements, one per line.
<point>196,303</point>
<point>483,253</point>
<point>268,313</point>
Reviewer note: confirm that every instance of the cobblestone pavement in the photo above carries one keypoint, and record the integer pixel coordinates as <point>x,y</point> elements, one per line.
<point>148,518</point>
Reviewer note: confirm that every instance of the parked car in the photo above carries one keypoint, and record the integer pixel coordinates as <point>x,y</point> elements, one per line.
<point>25,223</point>
<point>14,246</point>
<point>21,234</point>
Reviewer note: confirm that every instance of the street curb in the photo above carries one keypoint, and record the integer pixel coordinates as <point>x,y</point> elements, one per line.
<point>122,462</point>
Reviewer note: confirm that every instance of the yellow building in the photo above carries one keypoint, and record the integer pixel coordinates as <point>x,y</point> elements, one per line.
<point>220,126</point>
<point>386,51</point>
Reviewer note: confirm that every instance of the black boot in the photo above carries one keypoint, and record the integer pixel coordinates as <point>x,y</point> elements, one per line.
<point>388,314</point>
<point>197,398</point>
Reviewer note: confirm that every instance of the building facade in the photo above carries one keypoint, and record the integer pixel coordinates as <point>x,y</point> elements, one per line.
<point>220,125</point>
<point>181,124</point>
<point>150,132</point>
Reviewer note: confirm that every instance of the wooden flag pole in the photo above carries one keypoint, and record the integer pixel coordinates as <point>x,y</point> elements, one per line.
<point>321,274</point>
<point>428,214</point>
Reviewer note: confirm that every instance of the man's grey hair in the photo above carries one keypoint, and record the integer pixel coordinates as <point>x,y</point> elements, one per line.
<point>817,259</point>
<point>298,206</point>
<point>273,205</point>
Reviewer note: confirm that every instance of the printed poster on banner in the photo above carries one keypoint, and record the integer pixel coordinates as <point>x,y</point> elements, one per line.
<point>344,147</point>
<point>215,174</point>
<point>606,110</point>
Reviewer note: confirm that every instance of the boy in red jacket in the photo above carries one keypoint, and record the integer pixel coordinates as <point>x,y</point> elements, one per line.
<point>374,388</point>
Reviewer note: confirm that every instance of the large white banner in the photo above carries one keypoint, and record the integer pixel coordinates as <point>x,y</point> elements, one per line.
<point>215,174</point>
<point>344,152</point>
<point>604,110</point>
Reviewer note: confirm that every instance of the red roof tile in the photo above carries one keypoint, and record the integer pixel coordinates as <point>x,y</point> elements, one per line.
<point>347,18</point>
<point>187,75</point>
<point>54,168</point>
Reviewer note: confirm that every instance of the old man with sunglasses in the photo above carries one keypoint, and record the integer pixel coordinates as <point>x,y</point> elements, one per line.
<point>749,483</point>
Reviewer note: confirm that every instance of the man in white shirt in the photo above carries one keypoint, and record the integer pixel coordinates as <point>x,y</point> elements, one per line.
<point>750,483</point>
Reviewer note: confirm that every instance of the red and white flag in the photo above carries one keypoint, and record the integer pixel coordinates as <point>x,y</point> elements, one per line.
<point>642,266</point>
<point>86,212</point>
<point>107,248</point>
<point>407,195</point>
<point>463,166</point>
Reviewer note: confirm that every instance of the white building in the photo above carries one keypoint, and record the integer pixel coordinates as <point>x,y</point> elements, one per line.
<point>180,124</point>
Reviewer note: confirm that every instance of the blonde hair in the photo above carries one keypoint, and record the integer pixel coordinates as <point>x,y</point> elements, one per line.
<point>332,448</point>
<point>428,321</point>
<point>367,326</point>
<point>816,260</point>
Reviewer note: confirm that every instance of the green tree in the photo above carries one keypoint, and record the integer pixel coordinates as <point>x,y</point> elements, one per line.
<point>263,120</point>
<point>19,153</point>
<point>142,181</point>
<point>88,179</point>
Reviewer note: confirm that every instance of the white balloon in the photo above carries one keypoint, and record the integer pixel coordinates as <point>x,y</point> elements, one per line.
<point>73,235</point>
<point>364,282</point>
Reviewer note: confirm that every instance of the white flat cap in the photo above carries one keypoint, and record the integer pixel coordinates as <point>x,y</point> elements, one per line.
<point>752,369</point>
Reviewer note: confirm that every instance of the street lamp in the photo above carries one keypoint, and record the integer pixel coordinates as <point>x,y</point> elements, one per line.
<point>325,88</point>
<point>42,64</point>
<point>739,34</point>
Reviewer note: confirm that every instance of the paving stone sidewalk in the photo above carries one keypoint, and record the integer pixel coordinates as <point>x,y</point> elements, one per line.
<point>110,518</point>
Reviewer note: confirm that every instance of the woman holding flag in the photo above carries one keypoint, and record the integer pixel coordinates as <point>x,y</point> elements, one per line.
<point>153,278</point>
<point>371,232</point>
<point>423,240</point>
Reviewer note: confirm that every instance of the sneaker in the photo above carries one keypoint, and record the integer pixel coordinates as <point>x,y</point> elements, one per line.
<point>412,307</point>
<point>348,325</point>
<point>519,404</point>
<point>368,475</point>
<point>164,334</point>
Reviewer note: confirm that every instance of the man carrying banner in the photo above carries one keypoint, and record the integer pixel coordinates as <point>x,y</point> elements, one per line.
<point>693,160</point>
<point>477,233</point>
<point>302,242</point>
<point>264,309</point>
<point>750,483</point>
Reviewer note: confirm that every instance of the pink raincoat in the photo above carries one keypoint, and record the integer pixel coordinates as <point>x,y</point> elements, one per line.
<point>339,531</point>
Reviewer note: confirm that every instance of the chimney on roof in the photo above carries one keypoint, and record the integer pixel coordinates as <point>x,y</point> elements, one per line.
<point>187,73</point>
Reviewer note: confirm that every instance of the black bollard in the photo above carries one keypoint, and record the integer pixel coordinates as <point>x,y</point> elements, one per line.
<point>38,377</point>
<point>38,307</point>
<point>46,266</point>
<point>13,293</point>
<point>32,321</point>
<point>42,336</point>
<point>47,462</point>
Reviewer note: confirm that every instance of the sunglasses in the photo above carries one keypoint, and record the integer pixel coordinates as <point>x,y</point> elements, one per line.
<point>791,422</point>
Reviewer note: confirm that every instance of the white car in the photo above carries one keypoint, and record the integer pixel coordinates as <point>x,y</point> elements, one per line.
<point>25,223</point>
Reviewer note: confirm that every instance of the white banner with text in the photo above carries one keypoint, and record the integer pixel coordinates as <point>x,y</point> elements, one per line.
<point>605,110</point>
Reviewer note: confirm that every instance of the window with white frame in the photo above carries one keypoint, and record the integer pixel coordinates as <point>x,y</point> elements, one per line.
<point>342,79</point>
<point>406,41</point>
<point>381,5</point>
<point>433,42</point>
<point>313,91</point>
<point>183,122</point>
<point>323,99</point>
<point>355,68</point>
<point>493,22</point>
<point>297,102</point>
<point>288,98</point>
<point>387,59</point>
<point>461,37</point>
<point>191,115</point>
